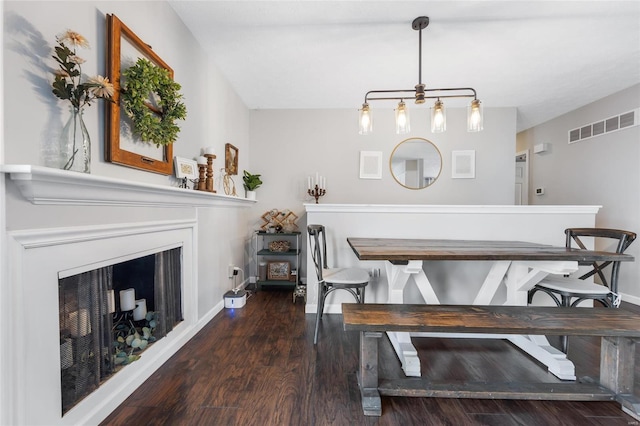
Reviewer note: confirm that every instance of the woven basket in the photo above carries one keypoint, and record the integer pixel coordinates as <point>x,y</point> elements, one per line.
<point>279,246</point>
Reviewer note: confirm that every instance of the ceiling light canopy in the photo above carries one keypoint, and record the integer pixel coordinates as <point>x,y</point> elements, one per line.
<point>420,93</point>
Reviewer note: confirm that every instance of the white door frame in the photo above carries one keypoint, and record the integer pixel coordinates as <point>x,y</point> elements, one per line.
<point>525,178</point>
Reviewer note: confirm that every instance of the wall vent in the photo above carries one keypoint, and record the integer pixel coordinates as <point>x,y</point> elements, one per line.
<point>612,124</point>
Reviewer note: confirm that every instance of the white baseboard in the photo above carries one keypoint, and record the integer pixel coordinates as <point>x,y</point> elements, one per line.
<point>630,299</point>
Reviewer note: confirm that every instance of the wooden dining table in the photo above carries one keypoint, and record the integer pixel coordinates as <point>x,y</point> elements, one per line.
<point>517,265</point>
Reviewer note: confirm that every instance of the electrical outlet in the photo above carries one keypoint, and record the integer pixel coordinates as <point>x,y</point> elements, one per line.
<point>231,269</point>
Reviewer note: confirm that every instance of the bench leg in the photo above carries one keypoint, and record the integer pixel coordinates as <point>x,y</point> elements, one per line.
<point>617,361</point>
<point>368,373</point>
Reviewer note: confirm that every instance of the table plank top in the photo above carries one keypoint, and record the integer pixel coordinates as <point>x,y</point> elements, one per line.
<point>405,249</point>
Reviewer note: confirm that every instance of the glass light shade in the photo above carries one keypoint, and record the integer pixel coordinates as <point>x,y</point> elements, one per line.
<point>474,116</point>
<point>365,122</point>
<point>438,118</point>
<point>403,125</point>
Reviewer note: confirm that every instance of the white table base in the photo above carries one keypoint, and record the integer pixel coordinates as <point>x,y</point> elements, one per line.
<point>519,277</point>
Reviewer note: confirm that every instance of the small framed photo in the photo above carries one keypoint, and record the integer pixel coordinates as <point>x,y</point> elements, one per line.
<point>370,164</point>
<point>185,168</point>
<point>230,159</point>
<point>463,164</point>
<point>279,271</point>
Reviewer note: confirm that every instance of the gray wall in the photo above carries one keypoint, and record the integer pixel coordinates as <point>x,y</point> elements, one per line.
<point>601,171</point>
<point>287,146</point>
<point>33,116</point>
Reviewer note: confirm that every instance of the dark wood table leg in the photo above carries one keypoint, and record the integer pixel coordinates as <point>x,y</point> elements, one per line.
<point>368,373</point>
<point>617,361</point>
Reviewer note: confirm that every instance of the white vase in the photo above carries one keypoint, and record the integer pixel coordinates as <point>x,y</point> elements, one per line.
<point>251,195</point>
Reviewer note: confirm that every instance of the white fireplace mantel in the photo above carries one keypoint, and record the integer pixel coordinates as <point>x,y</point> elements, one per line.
<point>44,185</point>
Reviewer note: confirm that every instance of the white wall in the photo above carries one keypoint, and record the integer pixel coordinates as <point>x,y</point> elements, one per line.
<point>599,171</point>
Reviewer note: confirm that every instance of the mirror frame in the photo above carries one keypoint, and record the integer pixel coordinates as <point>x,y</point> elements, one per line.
<point>398,146</point>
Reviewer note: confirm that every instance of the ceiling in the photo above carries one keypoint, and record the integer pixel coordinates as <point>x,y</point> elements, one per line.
<point>544,57</point>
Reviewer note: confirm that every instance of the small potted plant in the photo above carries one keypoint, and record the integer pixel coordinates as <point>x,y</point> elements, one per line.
<point>251,183</point>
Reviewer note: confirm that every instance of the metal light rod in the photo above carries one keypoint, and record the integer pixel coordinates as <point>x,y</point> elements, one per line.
<point>399,98</point>
<point>420,93</point>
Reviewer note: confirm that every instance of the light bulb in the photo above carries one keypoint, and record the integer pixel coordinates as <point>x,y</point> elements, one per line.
<point>438,117</point>
<point>365,122</point>
<point>403,125</point>
<point>474,116</point>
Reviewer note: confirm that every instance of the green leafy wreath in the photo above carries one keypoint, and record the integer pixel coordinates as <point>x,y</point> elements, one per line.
<point>152,123</point>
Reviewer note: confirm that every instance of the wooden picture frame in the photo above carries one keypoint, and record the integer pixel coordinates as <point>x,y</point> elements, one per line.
<point>121,146</point>
<point>279,270</point>
<point>230,159</point>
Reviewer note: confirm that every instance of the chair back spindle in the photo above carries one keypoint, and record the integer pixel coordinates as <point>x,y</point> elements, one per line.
<point>622,240</point>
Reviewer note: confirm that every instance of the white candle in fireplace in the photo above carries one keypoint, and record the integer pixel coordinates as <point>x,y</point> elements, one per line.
<point>79,323</point>
<point>127,300</point>
<point>111,302</point>
<point>140,312</point>
<point>209,151</point>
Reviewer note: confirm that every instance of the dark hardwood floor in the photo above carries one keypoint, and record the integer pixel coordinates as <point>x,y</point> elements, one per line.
<point>258,366</point>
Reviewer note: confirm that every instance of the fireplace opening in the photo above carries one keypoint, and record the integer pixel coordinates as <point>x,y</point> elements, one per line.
<point>110,315</point>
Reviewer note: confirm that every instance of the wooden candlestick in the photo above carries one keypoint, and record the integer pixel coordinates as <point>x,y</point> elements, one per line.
<point>209,180</point>
<point>201,181</point>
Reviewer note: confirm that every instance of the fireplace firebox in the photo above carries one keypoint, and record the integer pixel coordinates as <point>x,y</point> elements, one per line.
<point>110,315</point>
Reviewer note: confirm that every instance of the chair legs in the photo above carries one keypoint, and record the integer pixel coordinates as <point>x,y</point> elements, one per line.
<point>323,291</point>
<point>566,301</point>
<point>321,296</point>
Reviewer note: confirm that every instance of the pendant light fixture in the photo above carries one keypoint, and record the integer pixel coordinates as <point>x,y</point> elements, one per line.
<point>420,93</point>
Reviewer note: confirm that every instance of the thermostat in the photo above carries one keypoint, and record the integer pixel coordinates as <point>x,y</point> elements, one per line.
<point>539,191</point>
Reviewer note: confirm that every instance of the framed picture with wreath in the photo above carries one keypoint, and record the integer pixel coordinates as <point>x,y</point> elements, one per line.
<point>141,121</point>
<point>278,271</point>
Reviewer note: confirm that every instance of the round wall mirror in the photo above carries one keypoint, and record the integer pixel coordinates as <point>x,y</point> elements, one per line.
<point>415,163</point>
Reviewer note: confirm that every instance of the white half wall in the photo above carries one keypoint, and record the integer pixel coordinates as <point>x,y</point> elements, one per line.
<point>454,282</point>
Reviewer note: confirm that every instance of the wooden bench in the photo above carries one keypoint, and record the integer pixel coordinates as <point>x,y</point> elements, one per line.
<point>618,329</point>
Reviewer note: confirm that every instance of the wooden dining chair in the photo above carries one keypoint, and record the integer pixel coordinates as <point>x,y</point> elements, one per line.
<point>354,280</point>
<point>569,291</point>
